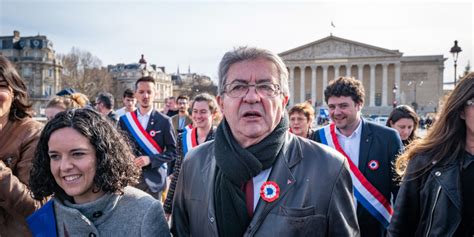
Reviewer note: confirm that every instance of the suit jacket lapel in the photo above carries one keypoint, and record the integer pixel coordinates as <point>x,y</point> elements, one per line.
<point>365,143</point>
<point>281,174</point>
<point>151,121</point>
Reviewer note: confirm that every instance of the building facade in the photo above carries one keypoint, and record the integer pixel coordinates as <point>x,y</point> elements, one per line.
<point>125,76</point>
<point>36,63</point>
<point>389,78</point>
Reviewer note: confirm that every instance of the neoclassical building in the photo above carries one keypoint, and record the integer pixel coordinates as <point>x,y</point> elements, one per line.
<point>36,63</point>
<point>388,76</point>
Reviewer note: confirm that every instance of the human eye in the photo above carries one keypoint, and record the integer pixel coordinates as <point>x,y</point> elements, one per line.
<point>78,154</point>
<point>54,156</point>
<point>238,87</point>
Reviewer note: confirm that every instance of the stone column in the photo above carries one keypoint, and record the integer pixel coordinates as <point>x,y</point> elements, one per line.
<point>397,80</point>
<point>372,85</point>
<point>325,81</point>
<point>336,71</point>
<point>348,70</point>
<point>384,84</point>
<point>313,84</point>
<point>302,81</point>
<point>292,85</point>
<point>360,70</point>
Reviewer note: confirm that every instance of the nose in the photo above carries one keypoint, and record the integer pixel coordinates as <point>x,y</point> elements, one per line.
<point>66,164</point>
<point>252,96</point>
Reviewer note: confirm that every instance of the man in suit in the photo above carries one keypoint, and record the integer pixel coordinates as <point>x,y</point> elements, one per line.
<point>152,133</point>
<point>256,178</point>
<point>371,149</point>
<point>182,119</point>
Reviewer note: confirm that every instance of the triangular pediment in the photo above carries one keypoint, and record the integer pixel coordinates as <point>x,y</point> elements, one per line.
<point>334,47</point>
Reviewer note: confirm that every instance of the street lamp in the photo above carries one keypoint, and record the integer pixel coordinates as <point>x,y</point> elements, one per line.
<point>415,83</point>
<point>394,90</point>
<point>455,50</point>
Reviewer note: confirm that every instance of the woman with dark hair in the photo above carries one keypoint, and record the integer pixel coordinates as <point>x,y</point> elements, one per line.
<point>436,196</point>
<point>85,164</point>
<point>405,120</point>
<point>19,134</point>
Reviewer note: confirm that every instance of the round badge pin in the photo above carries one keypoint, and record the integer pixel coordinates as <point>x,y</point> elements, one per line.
<point>373,165</point>
<point>270,191</point>
<point>152,133</point>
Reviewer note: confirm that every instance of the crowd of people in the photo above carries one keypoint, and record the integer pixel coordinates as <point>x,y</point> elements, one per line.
<point>237,164</point>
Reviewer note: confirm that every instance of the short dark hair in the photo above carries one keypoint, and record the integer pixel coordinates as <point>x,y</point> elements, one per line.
<point>128,93</point>
<point>345,86</point>
<point>115,168</point>
<point>21,107</point>
<point>107,99</point>
<point>182,97</point>
<point>145,79</point>
<point>211,101</point>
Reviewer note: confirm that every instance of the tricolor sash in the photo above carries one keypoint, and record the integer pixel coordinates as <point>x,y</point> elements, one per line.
<point>144,140</point>
<point>189,140</point>
<point>365,193</point>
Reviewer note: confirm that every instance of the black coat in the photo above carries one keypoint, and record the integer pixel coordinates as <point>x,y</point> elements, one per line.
<point>381,144</point>
<point>430,204</point>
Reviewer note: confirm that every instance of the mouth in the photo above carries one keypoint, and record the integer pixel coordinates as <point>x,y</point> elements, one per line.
<point>252,114</point>
<point>71,178</point>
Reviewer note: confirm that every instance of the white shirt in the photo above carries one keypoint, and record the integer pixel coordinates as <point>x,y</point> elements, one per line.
<point>120,112</point>
<point>257,183</point>
<point>144,118</point>
<point>351,146</point>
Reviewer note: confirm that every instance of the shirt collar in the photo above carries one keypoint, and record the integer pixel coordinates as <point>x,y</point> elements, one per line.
<point>144,115</point>
<point>354,133</point>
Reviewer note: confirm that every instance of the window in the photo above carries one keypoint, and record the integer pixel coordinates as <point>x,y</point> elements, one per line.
<point>26,71</point>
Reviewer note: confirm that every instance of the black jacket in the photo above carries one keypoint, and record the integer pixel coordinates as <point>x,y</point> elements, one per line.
<point>430,204</point>
<point>315,194</point>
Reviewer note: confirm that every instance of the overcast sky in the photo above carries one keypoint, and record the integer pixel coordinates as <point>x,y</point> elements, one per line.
<point>172,33</point>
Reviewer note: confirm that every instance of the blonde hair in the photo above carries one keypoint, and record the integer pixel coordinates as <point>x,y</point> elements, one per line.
<point>73,101</point>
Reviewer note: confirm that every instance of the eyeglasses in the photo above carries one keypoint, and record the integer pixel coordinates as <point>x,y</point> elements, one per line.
<point>265,89</point>
<point>470,102</point>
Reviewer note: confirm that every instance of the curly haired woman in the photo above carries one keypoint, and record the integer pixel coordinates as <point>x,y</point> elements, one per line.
<point>85,164</point>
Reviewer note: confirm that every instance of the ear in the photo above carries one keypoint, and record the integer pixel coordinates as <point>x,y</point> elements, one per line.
<point>391,123</point>
<point>462,115</point>
<point>220,102</point>
<point>285,100</point>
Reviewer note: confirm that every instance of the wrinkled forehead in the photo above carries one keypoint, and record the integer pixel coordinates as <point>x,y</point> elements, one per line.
<point>255,70</point>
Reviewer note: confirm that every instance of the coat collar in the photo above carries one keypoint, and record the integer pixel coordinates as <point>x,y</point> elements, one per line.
<point>365,143</point>
<point>290,155</point>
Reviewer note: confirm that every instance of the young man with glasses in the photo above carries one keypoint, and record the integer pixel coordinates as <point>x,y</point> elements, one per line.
<point>255,178</point>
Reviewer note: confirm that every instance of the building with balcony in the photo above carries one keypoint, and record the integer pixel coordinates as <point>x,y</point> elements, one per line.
<point>36,63</point>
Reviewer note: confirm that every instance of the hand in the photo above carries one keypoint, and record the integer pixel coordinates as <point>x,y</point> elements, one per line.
<point>142,161</point>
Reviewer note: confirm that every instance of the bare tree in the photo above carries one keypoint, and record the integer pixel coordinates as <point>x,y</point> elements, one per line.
<point>84,72</point>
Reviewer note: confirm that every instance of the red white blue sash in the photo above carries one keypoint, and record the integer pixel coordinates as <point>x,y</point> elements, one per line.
<point>365,193</point>
<point>189,140</point>
<point>144,140</point>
